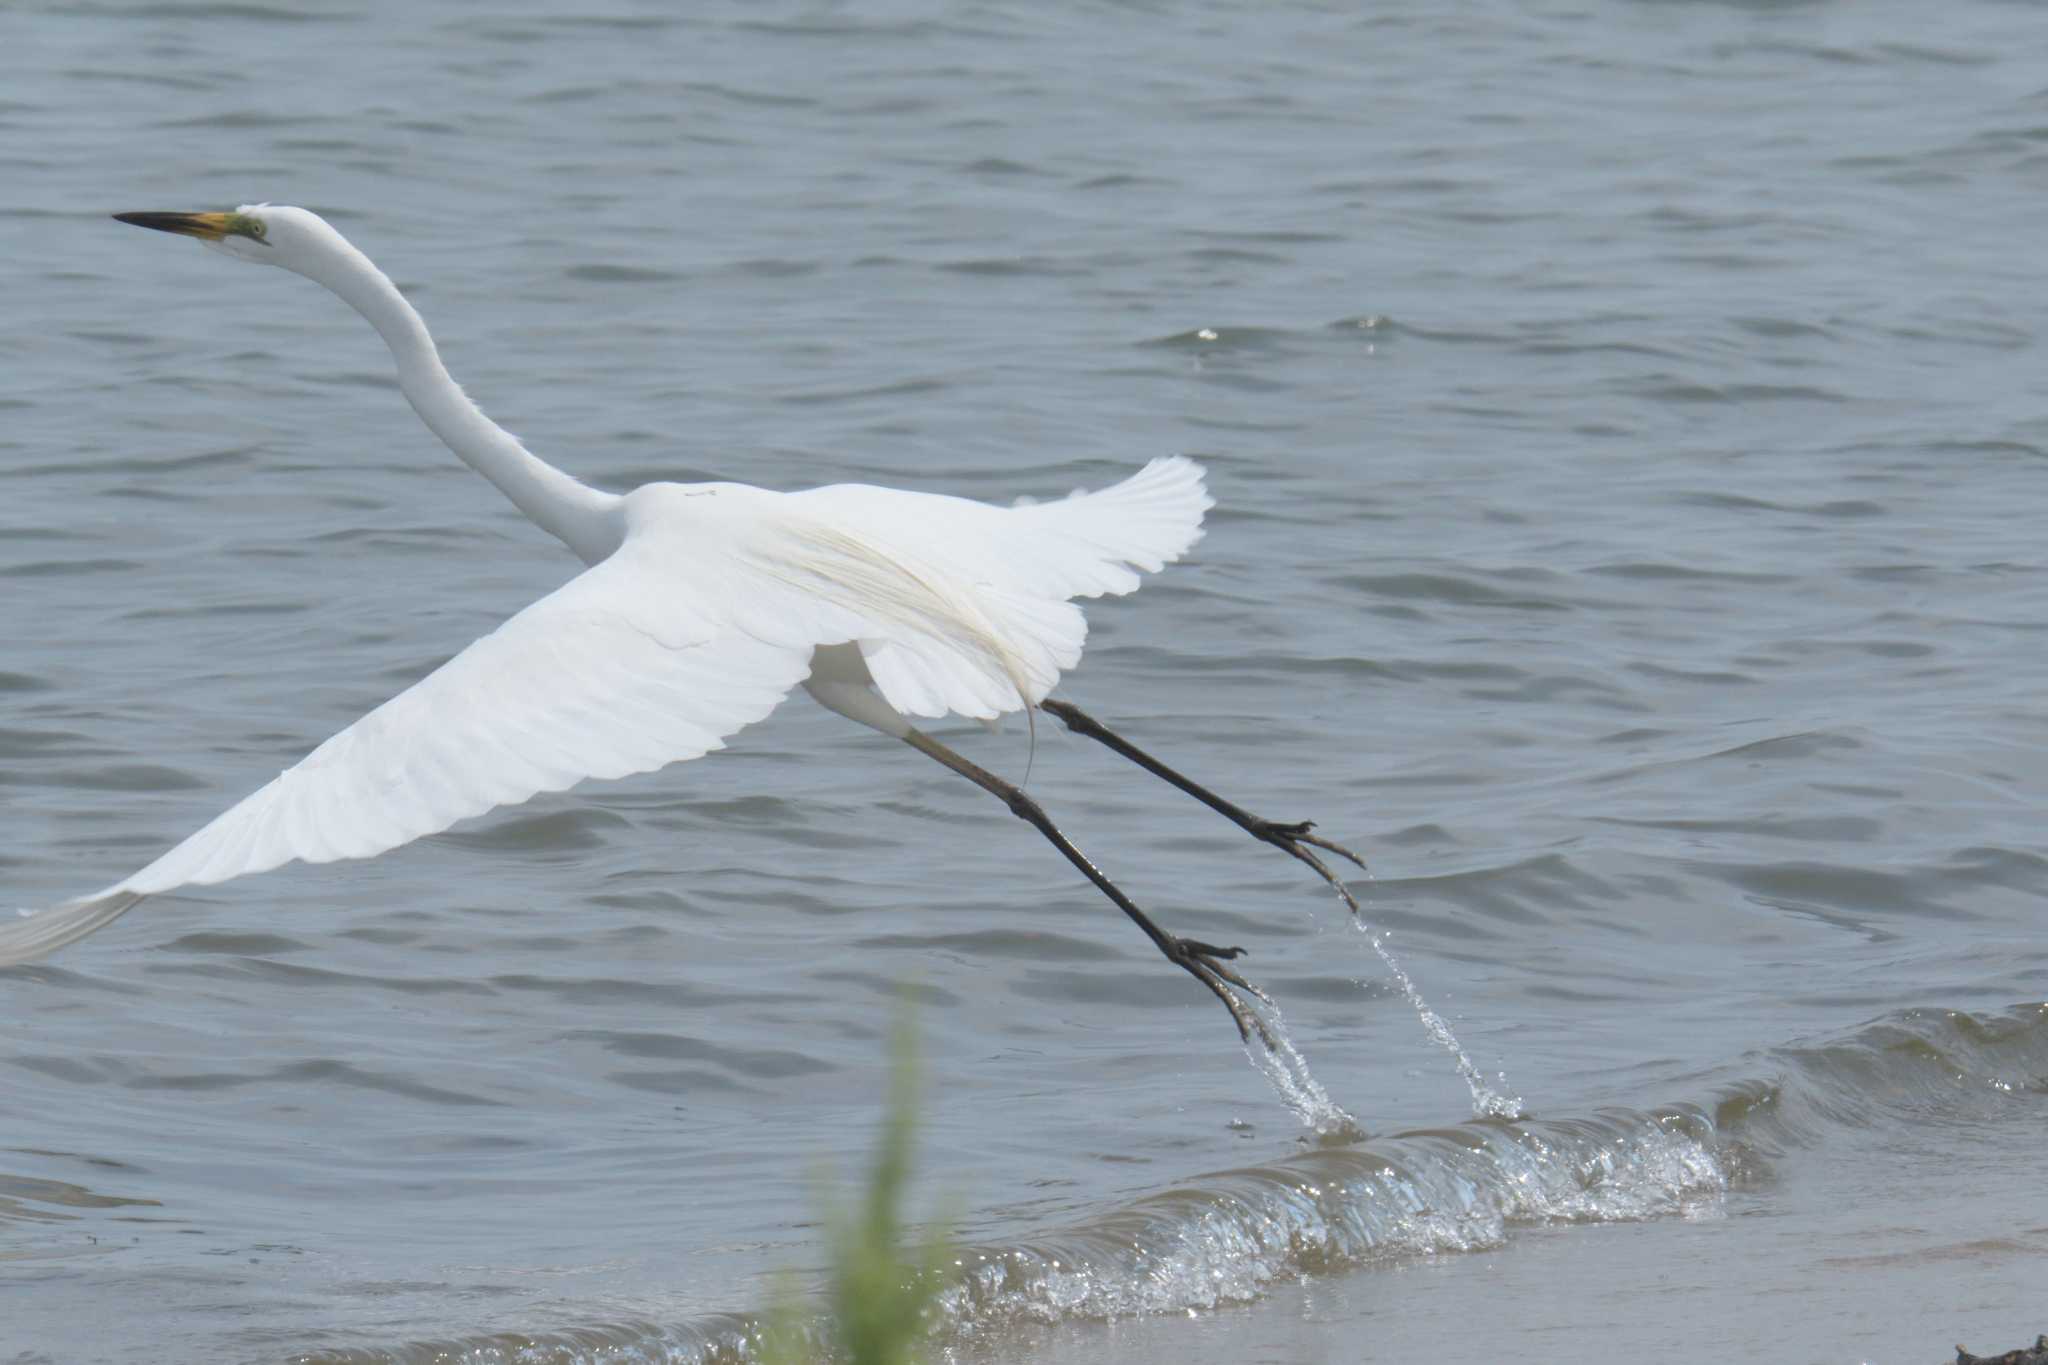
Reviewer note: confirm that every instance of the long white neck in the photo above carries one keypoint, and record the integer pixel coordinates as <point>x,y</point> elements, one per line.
<point>581,517</point>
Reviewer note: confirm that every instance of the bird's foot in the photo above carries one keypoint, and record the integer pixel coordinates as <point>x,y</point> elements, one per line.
<point>1290,838</point>
<point>1204,962</point>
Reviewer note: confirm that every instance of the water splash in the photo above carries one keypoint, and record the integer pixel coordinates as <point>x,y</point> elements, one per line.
<point>1487,1102</point>
<point>1227,1238</point>
<point>1427,1193</point>
<point>1286,1070</point>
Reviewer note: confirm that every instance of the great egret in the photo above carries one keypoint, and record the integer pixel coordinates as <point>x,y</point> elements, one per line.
<point>703,605</point>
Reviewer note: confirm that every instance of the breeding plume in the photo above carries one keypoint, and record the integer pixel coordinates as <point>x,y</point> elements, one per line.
<point>702,606</point>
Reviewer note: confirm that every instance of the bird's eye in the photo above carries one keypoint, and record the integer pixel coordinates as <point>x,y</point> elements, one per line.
<point>244,225</point>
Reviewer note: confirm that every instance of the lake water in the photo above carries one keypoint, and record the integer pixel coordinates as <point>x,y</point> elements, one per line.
<point>1629,428</point>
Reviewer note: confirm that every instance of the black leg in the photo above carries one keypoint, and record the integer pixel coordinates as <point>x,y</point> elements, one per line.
<point>1288,838</point>
<point>1203,961</point>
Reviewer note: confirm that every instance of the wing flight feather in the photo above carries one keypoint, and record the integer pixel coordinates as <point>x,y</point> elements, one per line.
<point>696,627</point>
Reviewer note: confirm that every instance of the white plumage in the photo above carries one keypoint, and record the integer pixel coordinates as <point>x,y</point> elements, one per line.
<point>704,605</point>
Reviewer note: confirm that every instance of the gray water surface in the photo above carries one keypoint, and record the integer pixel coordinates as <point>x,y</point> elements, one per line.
<point>1627,427</point>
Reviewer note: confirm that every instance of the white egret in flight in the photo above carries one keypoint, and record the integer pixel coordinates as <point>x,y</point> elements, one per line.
<point>702,607</point>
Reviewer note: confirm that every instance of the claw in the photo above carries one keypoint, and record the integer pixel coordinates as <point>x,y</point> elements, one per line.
<point>1204,962</point>
<point>1320,842</point>
<point>1290,838</point>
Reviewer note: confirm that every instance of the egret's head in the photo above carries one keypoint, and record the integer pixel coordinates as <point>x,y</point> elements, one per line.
<point>269,234</point>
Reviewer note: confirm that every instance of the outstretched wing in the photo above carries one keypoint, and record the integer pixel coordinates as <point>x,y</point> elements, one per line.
<point>698,626</point>
<point>621,670</point>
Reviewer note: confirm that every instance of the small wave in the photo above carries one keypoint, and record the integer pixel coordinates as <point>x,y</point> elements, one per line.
<point>1220,338</point>
<point>1423,1193</point>
<point>23,1199</point>
<point>1460,590</point>
<point>54,568</point>
<point>1923,1067</point>
<point>608,273</point>
<point>999,165</point>
<point>1046,266</point>
<point>1228,1237</point>
<point>247,13</point>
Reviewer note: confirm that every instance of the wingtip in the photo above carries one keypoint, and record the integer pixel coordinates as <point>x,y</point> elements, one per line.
<point>35,934</point>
